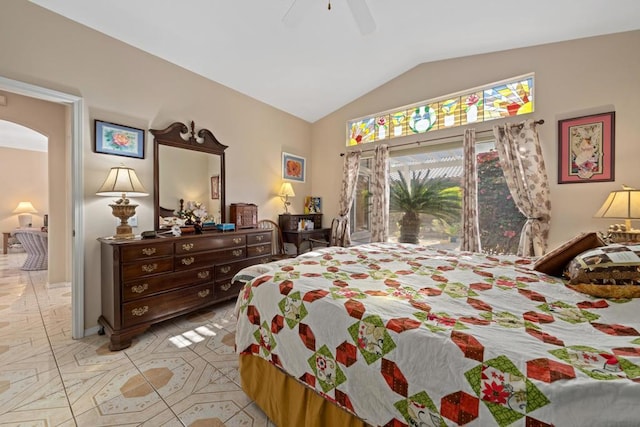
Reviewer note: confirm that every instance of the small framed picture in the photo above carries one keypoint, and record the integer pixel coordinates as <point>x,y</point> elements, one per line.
<point>586,149</point>
<point>215,187</point>
<point>293,167</point>
<point>312,205</point>
<point>119,140</point>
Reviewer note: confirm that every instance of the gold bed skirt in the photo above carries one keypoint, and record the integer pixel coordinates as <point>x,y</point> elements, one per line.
<point>286,401</point>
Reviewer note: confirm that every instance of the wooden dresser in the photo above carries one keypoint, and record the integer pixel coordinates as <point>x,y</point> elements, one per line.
<point>149,281</point>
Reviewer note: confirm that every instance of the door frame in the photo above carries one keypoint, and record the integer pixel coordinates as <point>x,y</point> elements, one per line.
<point>77,173</point>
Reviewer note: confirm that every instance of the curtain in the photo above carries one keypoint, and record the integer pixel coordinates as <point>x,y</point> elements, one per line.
<point>380,195</point>
<point>470,223</point>
<point>348,190</point>
<point>521,160</point>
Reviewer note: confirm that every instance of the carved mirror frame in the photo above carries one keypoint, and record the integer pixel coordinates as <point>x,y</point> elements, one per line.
<point>180,136</point>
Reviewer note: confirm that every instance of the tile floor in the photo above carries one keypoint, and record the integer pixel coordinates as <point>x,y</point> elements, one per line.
<point>183,372</point>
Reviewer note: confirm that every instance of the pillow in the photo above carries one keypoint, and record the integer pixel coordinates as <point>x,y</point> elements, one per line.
<point>554,262</point>
<point>610,272</point>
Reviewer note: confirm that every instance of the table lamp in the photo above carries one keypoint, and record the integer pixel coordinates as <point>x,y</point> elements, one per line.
<point>123,182</point>
<point>24,211</point>
<point>622,204</point>
<point>286,191</point>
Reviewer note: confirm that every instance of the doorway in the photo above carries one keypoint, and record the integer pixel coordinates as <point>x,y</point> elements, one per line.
<point>74,130</point>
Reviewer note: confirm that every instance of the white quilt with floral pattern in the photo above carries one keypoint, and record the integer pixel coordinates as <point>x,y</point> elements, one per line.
<point>402,335</point>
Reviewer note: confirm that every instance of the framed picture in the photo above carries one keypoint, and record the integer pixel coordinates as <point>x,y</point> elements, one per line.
<point>586,149</point>
<point>293,167</point>
<point>215,187</point>
<point>312,205</point>
<point>119,140</point>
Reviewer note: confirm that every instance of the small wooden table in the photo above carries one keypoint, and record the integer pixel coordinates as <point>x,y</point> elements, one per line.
<point>299,237</point>
<point>5,241</point>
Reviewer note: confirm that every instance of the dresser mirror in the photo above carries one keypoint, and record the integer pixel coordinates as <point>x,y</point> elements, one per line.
<point>187,166</point>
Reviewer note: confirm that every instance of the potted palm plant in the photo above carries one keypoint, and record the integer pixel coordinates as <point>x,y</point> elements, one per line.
<point>437,197</point>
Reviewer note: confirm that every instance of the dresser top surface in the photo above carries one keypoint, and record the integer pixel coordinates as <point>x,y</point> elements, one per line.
<point>161,238</point>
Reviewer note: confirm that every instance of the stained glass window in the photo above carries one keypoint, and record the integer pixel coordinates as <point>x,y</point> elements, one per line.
<point>495,101</point>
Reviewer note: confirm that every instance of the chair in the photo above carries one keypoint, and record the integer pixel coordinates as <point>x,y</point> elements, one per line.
<point>277,243</point>
<point>338,234</point>
<point>35,244</point>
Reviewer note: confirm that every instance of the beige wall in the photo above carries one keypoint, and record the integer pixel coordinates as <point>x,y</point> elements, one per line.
<point>123,85</point>
<point>24,178</point>
<point>39,177</point>
<point>572,79</point>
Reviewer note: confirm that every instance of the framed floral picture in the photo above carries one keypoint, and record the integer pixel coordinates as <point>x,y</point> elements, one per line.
<point>293,167</point>
<point>118,140</point>
<point>586,149</point>
<point>215,187</point>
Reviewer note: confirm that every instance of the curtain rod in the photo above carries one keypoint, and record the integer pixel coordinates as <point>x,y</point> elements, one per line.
<point>538,122</point>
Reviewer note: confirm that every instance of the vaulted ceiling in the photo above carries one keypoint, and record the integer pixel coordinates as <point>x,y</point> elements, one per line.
<point>317,60</point>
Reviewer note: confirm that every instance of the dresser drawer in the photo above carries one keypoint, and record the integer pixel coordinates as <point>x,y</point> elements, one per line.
<point>229,269</point>
<point>258,250</point>
<point>258,238</point>
<point>194,260</point>
<point>229,254</point>
<point>227,290</point>
<point>151,285</point>
<point>155,307</point>
<point>205,244</point>
<point>147,267</point>
<point>152,250</point>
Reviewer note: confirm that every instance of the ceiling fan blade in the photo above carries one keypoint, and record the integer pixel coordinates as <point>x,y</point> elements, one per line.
<point>296,12</point>
<point>362,16</point>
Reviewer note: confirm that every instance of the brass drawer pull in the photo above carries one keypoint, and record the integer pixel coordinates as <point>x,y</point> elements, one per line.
<point>140,311</point>
<point>237,240</point>
<point>259,238</point>
<point>203,274</point>
<point>148,268</point>
<point>225,269</point>
<point>148,251</point>
<point>203,293</point>
<point>138,289</point>
<point>187,261</point>
<point>260,249</point>
<point>226,287</point>
<point>187,246</point>
<point>237,252</point>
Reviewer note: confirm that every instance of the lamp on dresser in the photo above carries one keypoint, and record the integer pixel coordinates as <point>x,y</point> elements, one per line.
<point>123,182</point>
<point>286,191</point>
<point>622,204</point>
<point>24,211</point>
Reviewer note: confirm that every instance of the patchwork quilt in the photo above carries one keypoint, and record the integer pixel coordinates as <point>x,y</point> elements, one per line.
<point>403,335</point>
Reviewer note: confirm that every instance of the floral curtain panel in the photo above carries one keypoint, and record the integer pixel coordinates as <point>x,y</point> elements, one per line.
<point>470,225</point>
<point>348,190</point>
<point>521,159</point>
<point>380,195</point>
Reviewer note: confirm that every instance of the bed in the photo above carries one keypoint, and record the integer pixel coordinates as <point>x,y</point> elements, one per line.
<point>402,335</point>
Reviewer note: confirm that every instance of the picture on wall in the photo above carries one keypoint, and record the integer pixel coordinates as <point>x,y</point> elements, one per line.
<point>312,205</point>
<point>293,167</point>
<point>215,187</point>
<point>586,149</point>
<point>118,140</point>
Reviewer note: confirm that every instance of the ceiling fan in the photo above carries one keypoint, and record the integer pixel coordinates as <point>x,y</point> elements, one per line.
<point>359,9</point>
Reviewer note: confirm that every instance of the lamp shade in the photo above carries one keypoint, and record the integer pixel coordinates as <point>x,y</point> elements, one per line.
<point>25,207</point>
<point>623,204</point>
<point>122,180</point>
<point>287,190</point>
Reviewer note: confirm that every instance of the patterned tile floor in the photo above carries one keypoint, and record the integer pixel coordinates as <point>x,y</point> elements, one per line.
<point>182,372</point>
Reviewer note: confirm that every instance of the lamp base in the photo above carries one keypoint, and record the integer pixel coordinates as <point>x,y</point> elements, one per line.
<point>123,212</point>
<point>25,220</point>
